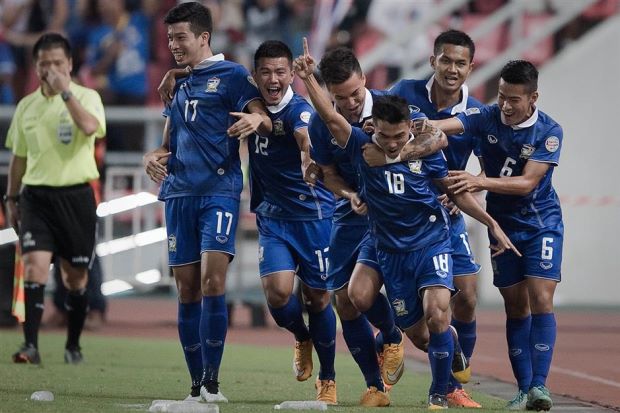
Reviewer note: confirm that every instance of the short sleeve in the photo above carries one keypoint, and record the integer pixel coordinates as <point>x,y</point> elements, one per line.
<point>245,89</point>
<point>15,137</point>
<point>474,119</point>
<point>549,147</point>
<point>91,101</point>
<point>436,165</point>
<point>300,115</point>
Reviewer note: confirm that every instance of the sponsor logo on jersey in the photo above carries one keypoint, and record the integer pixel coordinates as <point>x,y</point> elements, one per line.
<point>252,81</point>
<point>413,109</point>
<point>542,347</point>
<point>546,265</point>
<point>552,143</point>
<point>172,243</point>
<point>415,166</point>
<point>399,307</point>
<point>472,111</point>
<point>212,84</point>
<point>526,151</point>
<point>222,239</point>
<point>278,127</point>
<point>305,116</point>
<point>333,141</point>
<point>492,139</point>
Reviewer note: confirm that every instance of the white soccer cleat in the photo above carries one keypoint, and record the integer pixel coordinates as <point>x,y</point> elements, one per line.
<point>212,397</point>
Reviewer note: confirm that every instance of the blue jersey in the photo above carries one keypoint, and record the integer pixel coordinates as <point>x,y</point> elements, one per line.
<point>417,93</point>
<point>505,150</point>
<point>404,212</point>
<point>278,187</point>
<point>205,160</point>
<point>325,151</point>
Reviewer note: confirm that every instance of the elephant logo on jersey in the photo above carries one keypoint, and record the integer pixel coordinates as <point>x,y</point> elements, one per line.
<point>472,111</point>
<point>278,127</point>
<point>552,143</point>
<point>413,109</point>
<point>399,307</point>
<point>526,151</point>
<point>212,85</point>
<point>172,243</point>
<point>415,166</point>
<point>492,139</point>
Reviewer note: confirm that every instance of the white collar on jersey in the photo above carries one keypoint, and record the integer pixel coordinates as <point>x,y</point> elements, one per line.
<point>458,108</point>
<point>526,123</point>
<point>285,100</point>
<point>209,61</point>
<point>366,110</point>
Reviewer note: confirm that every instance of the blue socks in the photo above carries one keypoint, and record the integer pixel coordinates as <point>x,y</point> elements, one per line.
<point>290,317</point>
<point>467,340</point>
<point>189,334</point>
<point>518,338</point>
<point>323,332</point>
<point>440,354</point>
<point>213,327</point>
<point>361,343</point>
<point>380,315</point>
<point>542,341</point>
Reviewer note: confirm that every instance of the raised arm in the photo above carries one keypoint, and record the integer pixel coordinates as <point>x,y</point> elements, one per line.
<point>450,126</point>
<point>338,126</point>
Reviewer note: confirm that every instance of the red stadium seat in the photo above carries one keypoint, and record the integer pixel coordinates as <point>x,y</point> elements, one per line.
<point>490,44</point>
<point>542,51</point>
<point>601,9</point>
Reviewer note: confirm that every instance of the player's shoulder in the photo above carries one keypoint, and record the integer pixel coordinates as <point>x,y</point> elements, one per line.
<point>472,102</point>
<point>547,121</point>
<point>404,85</point>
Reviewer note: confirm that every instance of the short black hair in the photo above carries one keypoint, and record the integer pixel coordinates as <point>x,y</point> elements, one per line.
<point>273,49</point>
<point>456,38</point>
<point>194,13</point>
<point>338,65</point>
<point>390,108</point>
<point>521,72</point>
<point>51,41</point>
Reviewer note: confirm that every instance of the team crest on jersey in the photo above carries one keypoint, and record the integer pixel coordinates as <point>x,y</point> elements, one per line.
<point>492,139</point>
<point>212,85</point>
<point>552,143</point>
<point>413,109</point>
<point>252,81</point>
<point>278,127</point>
<point>526,151</point>
<point>472,111</point>
<point>415,166</point>
<point>305,116</point>
<point>399,307</point>
<point>172,243</point>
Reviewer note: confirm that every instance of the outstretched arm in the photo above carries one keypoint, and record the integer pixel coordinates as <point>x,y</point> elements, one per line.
<point>338,126</point>
<point>466,202</point>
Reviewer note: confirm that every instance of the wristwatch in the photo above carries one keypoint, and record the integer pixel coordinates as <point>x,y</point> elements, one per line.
<point>6,198</point>
<point>65,95</point>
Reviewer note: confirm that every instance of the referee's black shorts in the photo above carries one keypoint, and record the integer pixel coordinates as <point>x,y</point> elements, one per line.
<point>59,219</point>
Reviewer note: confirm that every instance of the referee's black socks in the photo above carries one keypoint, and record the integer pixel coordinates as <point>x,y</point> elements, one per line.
<point>34,312</point>
<point>76,304</point>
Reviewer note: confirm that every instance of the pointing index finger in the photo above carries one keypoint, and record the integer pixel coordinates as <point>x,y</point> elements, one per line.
<point>306,52</point>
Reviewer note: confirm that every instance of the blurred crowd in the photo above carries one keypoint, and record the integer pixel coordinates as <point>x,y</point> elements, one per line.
<point>120,46</point>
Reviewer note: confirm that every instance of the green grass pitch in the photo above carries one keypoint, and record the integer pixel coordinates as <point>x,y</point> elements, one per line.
<point>125,375</point>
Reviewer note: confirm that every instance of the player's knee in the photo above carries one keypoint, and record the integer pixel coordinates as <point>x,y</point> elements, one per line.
<point>277,298</point>
<point>344,307</point>
<point>464,306</point>
<point>418,338</point>
<point>362,299</point>
<point>541,302</point>
<point>436,320</point>
<point>214,284</point>
<point>317,300</point>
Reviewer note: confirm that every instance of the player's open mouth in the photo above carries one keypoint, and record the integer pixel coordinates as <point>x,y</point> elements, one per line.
<point>452,80</point>
<point>273,92</point>
<point>178,55</point>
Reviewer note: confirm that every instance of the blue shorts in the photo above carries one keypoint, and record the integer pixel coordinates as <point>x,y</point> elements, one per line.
<point>542,256</point>
<point>301,246</point>
<point>350,244</point>
<point>462,256</point>
<point>407,273</point>
<point>196,224</point>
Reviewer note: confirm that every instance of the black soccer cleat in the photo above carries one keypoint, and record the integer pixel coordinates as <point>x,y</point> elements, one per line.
<point>27,353</point>
<point>73,355</point>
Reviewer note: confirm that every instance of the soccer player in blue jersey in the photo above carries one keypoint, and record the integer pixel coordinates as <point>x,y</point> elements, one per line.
<point>293,220</point>
<point>408,223</point>
<point>199,168</point>
<point>442,96</point>
<point>354,271</point>
<point>519,148</point>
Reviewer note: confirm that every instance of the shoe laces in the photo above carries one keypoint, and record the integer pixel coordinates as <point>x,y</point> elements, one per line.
<point>327,386</point>
<point>519,398</point>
